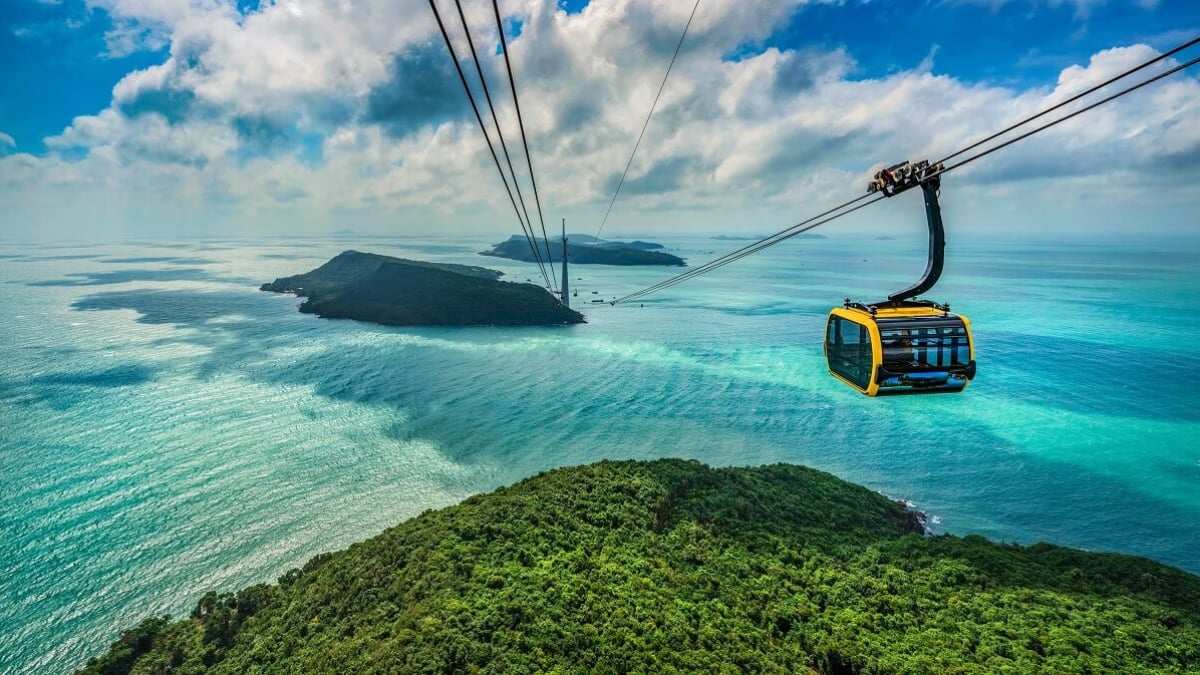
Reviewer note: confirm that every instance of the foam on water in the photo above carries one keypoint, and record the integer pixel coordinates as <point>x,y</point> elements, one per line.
<point>168,429</point>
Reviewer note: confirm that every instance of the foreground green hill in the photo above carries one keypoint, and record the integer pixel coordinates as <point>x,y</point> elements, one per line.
<point>672,566</point>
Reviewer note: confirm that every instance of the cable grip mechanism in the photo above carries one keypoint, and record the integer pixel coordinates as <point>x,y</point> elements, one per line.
<point>900,177</point>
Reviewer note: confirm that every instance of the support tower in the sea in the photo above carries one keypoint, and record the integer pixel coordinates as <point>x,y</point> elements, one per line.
<point>566,298</point>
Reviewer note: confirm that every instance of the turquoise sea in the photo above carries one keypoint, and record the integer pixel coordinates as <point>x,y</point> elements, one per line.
<point>166,428</point>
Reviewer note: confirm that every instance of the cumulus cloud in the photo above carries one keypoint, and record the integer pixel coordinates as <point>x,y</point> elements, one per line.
<point>150,24</point>
<point>308,113</point>
<point>421,88</point>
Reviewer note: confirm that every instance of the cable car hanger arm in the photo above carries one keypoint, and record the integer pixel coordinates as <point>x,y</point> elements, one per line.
<point>904,176</point>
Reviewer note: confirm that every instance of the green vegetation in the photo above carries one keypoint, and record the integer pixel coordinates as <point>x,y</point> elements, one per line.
<point>398,292</point>
<point>636,243</point>
<point>671,566</point>
<point>604,253</point>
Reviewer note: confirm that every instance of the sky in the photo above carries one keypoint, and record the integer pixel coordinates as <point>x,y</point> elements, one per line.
<point>192,118</point>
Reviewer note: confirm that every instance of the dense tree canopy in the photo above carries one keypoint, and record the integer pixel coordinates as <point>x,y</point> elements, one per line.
<point>672,566</point>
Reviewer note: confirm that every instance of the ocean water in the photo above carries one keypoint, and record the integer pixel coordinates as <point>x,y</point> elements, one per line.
<point>166,428</point>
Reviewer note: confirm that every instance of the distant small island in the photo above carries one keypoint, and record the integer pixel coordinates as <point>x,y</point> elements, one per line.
<point>728,237</point>
<point>885,238</point>
<point>638,244</point>
<point>590,240</point>
<point>398,292</point>
<point>593,252</point>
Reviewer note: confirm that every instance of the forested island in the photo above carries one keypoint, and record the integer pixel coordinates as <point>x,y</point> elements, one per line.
<point>593,252</point>
<point>672,566</point>
<point>637,243</point>
<point>398,292</point>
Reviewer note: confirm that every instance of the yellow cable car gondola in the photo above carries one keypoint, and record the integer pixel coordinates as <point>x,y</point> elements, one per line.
<point>903,345</point>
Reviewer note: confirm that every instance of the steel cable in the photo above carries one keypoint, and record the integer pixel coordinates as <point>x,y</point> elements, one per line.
<point>647,122</point>
<point>487,94</point>
<point>837,212</point>
<point>487,137</point>
<point>512,83</point>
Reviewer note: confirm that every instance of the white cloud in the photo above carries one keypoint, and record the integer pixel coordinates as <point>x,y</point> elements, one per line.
<point>149,24</point>
<point>305,113</point>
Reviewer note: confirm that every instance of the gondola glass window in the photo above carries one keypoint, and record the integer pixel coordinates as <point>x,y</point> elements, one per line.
<point>849,347</point>
<point>933,346</point>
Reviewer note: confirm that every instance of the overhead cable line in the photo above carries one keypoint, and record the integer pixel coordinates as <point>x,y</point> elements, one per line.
<point>487,95</point>
<point>809,224</point>
<point>1127,90</point>
<point>482,127</point>
<point>842,210</point>
<point>527,223</point>
<point>1072,99</point>
<point>750,249</point>
<point>512,83</point>
<point>647,122</point>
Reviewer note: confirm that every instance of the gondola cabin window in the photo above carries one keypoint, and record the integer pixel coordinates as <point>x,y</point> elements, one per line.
<point>935,346</point>
<point>848,346</point>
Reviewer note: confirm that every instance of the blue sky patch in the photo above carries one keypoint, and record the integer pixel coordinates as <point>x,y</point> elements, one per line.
<point>55,68</point>
<point>1016,43</point>
<point>573,6</point>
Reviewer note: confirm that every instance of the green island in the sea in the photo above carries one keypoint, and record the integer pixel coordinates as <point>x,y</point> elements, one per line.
<point>398,292</point>
<point>589,251</point>
<point>672,566</point>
